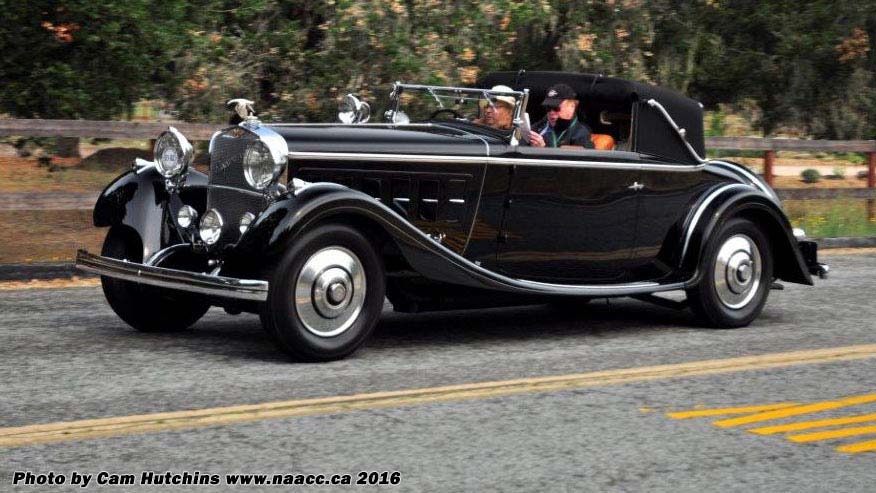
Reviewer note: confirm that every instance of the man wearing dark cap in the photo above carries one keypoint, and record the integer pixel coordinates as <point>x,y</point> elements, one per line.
<point>561,128</point>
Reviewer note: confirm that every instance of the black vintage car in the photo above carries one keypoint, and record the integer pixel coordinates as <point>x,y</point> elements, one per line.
<point>313,225</point>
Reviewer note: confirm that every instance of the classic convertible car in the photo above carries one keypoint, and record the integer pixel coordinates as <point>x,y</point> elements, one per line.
<point>311,226</point>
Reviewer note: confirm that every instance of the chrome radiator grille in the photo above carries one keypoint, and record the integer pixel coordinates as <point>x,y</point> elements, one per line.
<point>228,191</point>
<point>226,158</point>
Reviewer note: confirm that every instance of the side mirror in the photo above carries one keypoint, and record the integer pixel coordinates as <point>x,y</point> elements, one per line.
<point>352,110</point>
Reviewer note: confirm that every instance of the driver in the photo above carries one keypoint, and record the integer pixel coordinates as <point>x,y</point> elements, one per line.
<point>500,114</point>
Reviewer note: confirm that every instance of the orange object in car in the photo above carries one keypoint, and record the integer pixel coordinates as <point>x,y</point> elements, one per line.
<point>602,142</point>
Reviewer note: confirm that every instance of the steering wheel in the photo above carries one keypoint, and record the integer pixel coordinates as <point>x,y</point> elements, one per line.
<point>452,111</point>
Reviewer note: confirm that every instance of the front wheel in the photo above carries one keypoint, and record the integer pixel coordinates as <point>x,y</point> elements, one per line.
<point>737,271</point>
<point>146,308</point>
<point>326,294</point>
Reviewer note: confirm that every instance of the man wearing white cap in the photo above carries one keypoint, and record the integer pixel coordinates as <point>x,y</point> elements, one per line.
<point>500,114</point>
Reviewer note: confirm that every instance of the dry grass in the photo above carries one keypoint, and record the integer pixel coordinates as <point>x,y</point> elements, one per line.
<point>24,175</point>
<point>46,236</point>
<point>73,282</point>
<point>795,182</point>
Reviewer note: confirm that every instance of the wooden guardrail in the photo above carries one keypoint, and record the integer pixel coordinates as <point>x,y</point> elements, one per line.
<point>203,131</point>
<point>103,129</point>
<point>770,146</point>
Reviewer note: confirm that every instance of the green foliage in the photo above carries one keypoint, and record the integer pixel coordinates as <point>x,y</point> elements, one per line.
<point>831,218</point>
<point>716,125</point>
<point>85,59</point>
<point>808,66</point>
<point>839,172</point>
<point>810,175</point>
<point>855,158</point>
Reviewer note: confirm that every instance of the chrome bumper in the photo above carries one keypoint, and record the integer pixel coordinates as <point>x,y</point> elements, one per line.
<point>193,282</point>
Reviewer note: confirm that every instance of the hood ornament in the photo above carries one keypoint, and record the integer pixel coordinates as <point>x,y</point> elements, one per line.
<point>243,111</point>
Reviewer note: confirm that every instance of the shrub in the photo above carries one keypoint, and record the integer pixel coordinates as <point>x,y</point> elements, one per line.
<point>839,172</point>
<point>810,175</point>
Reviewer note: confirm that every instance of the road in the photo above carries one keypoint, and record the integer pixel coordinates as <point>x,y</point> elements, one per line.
<point>66,357</point>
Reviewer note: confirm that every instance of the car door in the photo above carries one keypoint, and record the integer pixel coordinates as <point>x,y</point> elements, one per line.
<point>668,193</point>
<point>570,216</point>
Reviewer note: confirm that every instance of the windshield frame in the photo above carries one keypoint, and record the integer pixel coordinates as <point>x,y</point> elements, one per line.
<point>521,98</point>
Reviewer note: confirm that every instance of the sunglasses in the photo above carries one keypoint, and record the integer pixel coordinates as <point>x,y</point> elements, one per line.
<point>551,108</point>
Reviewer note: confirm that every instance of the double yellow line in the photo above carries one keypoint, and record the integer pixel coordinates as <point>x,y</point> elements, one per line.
<point>219,416</point>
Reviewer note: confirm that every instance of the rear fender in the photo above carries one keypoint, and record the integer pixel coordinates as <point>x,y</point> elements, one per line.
<point>756,206</point>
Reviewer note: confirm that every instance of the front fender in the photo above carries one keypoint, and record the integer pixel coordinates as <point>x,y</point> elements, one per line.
<point>283,221</point>
<point>288,217</point>
<point>139,202</point>
<point>732,201</point>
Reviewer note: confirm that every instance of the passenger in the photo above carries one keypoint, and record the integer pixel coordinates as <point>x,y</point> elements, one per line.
<point>500,114</point>
<point>561,127</point>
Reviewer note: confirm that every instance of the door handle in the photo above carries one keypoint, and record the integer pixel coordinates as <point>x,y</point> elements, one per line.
<point>636,186</point>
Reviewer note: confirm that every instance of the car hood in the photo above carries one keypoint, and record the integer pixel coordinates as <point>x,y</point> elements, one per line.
<point>384,139</point>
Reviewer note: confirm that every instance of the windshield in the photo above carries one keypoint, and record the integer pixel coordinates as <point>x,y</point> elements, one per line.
<point>492,109</point>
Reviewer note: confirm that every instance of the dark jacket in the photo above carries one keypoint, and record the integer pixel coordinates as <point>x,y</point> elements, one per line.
<point>576,133</point>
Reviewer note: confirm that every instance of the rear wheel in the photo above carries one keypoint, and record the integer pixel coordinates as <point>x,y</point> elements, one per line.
<point>737,273</point>
<point>326,295</point>
<point>146,308</point>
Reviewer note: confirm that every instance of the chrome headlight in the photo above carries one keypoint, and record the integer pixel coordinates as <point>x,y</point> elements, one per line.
<point>261,166</point>
<point>173,153</point>
<point>186,217</point>
<point>245,221</point>
<point>211,226</point>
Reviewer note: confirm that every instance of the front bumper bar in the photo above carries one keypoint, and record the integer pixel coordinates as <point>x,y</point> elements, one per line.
<point>193,282</point>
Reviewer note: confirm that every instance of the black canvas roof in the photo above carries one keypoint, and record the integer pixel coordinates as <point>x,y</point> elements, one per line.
<point>608,93</point>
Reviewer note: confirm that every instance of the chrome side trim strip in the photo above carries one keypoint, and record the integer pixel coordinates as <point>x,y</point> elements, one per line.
<point>747,173</point>
<point>424,158</point>
<point>193,282</point>
<point>701,209</point>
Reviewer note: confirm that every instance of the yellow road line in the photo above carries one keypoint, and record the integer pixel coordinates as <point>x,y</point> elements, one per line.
<point>796,411</point>
<point>832,434</point>
<point>808,425</point>
<point>730,410</point>
<point>124,425</point>
<point>857,448</point>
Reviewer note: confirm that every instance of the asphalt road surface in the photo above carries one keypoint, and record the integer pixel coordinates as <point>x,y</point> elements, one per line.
<point>587,400</point>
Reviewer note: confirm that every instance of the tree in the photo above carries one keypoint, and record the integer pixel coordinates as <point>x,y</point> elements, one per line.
<point>85,59</point>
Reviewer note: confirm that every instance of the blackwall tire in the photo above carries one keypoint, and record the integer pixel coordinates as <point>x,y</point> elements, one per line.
<point>146,308</point>
<point>326,294</point>
<point>737,271</point>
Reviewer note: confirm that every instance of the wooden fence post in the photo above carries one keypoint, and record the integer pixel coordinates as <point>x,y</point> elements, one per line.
<point>871,169</point>
<point>768,161</point>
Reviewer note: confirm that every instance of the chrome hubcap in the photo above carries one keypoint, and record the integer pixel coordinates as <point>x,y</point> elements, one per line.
<point>330,291</point>
<point>737,271</point>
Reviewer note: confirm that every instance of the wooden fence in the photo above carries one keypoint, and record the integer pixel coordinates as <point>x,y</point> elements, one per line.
<point>203,131</point>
